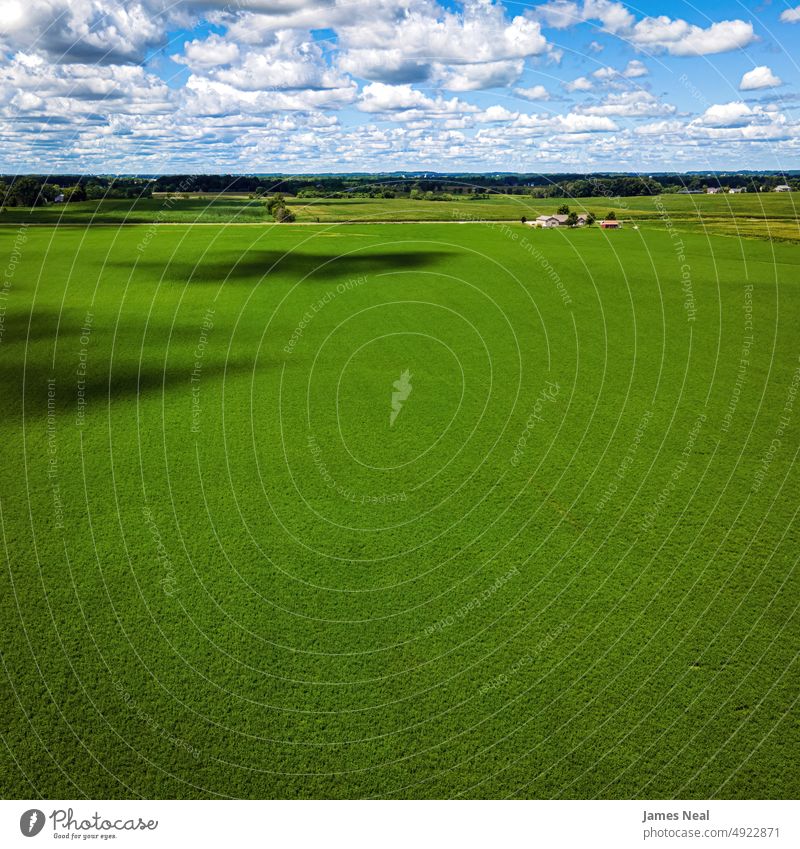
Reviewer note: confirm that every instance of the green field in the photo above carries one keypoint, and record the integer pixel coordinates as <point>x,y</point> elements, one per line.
<point>566,569</point>
<point>772,215</point>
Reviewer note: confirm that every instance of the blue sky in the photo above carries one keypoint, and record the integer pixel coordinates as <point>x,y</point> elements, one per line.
<point>389,85</point>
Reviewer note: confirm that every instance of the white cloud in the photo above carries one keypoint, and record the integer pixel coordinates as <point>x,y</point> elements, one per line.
<point>579,84</point>
<point>760,77</point>
<point>734,114</point>
<point>208,53</point>
<point>537,92</point>
<point>606,73</point>
<point>570,123</point>
<point>559,14</point>
<point>290,62</point>
<point>496,114</point>
<point>738,122</point>
<point>30,84</point>
<point>658,128</point>
<point>614,16</point>
<point>390,65</point>
<point>629,104</point>
<point>213,97</point>
<point>682,39</point>
<point>478,76</point>
<point>633,69</point>
<point>661,33</point>
<point>479,47</point>
<point>408,103</point>
<point>791,16</point>
<point>99,31</point>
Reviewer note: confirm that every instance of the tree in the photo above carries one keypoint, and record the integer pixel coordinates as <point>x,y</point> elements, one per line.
<point>563,210</point>
<point>283,215</point>
<point>590,219</point>
<point>276,207</point>
<point>523,220</point>
<point>26,191</point>
<point>611,216</point>
<point>94,191</point>
<point>572,219</point>
<point>76,193</point>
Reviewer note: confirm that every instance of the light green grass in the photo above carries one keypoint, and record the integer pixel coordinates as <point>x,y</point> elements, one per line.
<point>233,611</point>
<point>765,215</point>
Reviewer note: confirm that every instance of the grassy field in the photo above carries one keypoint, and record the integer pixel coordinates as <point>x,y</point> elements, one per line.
<point>560,562</point>
<point>770,215</point>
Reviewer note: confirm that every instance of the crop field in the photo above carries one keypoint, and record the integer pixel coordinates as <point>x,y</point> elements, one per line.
<point>771,215</point>
<point>422,511</point>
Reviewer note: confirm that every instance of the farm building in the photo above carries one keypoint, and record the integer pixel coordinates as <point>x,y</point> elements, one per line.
<point>555,221</point>
<point>783,188</point>
<point>610,224</point>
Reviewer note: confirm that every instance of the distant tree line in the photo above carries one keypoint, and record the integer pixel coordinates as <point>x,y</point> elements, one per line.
<point>476,186</point>
<point>37,190</point>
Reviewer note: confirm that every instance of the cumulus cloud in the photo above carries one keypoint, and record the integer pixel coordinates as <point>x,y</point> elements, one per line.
<point>658,128</point>
<point>402,102</point>
<point>570,123</point>
<point>633,69</point>
<point>579,84</point>
<point>99,31</point>
<point>477,47</point>
<point>662,33</point>
<point>682,39</point>
<point>496,114</point>
<point>478,76</point>
<point>559,14</point>
<point>536,92</point>
<point>760,77</point>
<point>629,104</point>
<point>208,53</point>
<point>791,16</point>
<point>289,62</point>
<point>738,122</point>
<point>734,114</point>
<point>31,85</point>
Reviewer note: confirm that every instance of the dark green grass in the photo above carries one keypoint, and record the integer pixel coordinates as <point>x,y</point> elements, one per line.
<point>142,210</point>
<point>507,624</point>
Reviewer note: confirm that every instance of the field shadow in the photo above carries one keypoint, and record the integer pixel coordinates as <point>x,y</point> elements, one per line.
<point>29,364</point>
<point>298,266</point>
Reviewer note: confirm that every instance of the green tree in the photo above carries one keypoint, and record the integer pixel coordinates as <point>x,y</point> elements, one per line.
<point>590,219</point>
<point>563,210</point>
<point>75,194</point>
<point>283,215</point>
<point>25,192</point>
<point>611,216</point>
<point>276,207</point>
<point>572,219</point>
